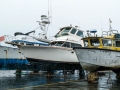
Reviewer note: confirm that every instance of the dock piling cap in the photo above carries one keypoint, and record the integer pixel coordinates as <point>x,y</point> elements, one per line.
<point>93,31</point>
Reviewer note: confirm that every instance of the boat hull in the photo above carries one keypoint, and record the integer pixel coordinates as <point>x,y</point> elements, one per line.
<point>39,64</point>
<point>56,57</point>
<point>48,53</point>
<point>92,59</point>
<point>10,53</point>
<point>11,59</point>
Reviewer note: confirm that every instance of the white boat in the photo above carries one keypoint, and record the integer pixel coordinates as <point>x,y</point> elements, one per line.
<point>28,39</point>
<point>59,54</point>
<point>12,53</point>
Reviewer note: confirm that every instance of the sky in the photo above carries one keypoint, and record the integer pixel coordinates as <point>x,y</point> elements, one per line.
<point>21,15</point>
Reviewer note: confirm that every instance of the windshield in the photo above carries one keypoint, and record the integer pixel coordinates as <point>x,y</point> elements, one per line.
<point>116,43</point>
<point>73,31</point>
<point>94,42</point>
<point>107,42</point>
<point>80,33</point>
<point>63,32</point>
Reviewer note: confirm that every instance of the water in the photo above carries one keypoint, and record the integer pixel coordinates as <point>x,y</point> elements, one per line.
<point>8,80</point>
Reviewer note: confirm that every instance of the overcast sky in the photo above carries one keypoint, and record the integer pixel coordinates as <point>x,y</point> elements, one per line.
<point>21,15</point>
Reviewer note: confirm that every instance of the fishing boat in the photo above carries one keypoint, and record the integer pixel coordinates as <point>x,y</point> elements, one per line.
<point>100,52</point>
<point>59,55</point>
<point>27,38</point>
<point>11,54</point>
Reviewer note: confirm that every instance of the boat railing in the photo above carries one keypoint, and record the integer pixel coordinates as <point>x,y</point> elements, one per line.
<point>106,33</point>
<point>9,38</point>
<point>116,31</point>
<point>19,40</point>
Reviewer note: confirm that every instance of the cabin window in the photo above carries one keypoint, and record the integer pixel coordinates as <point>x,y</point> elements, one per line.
<point>59,43</point>
<point>80,33</point>
<point>75,45</point>
<point>66,44</point>
<point>52,43</point>
<point>117,43</point>
<point>95,42</point>
<point>29,44</point>
<point>86,43</point>
<point>107,42</point>
<point>65,31</point>
<point>57,35</point>
<point>73,31</point>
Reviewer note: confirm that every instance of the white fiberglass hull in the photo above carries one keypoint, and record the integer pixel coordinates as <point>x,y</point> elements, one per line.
<point>48,53</point>
<point>93,58</point>
<point>10,53</point>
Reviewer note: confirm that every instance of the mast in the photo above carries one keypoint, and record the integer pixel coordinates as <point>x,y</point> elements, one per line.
<point>110,28</point>
<point>44,22</point>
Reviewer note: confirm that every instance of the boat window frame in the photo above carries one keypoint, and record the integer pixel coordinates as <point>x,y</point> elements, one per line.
<point>59,42</point>
<point>79,35</point>
<point>53,44</point>
<point>93,43</point>
<point>68,44</point>
<point>114,43</point>
<point>86,44</point>
<point>108,43</point>
<point>72,30</point>
<point>62,32</point>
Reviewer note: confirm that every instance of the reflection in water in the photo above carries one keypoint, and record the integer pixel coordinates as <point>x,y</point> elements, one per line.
<point>10,81</point>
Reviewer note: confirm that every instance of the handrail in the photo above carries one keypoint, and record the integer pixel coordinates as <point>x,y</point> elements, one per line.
<point>107,32</point>
<point>9,39</point>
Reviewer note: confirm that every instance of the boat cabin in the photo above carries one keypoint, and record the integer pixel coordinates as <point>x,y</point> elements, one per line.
<point>65,31</point>
<point>111,41</point>
<point>72,37</point>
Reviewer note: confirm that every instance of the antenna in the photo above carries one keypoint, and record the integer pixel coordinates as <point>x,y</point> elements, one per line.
<point>48,8</point>
<point>101,26</point>
<point>110,28</point>
<point>51,9</point>
<point>84,26</point>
